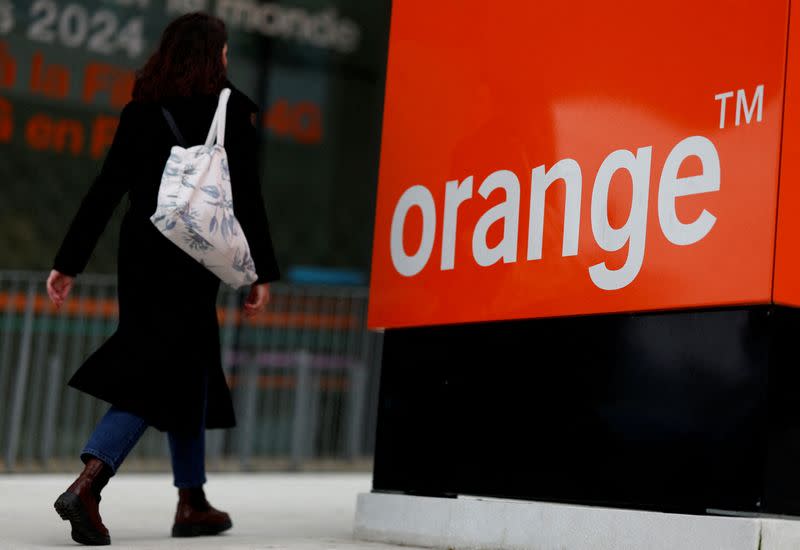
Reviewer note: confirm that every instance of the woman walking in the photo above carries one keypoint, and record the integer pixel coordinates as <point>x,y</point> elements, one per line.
<point>162,366</point>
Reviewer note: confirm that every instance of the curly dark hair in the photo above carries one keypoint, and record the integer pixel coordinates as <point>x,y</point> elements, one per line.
<point>188,60</point>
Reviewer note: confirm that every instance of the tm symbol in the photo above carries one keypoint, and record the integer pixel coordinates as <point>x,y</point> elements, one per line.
<point>743,108</point>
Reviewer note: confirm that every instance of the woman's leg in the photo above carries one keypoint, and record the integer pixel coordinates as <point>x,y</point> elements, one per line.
<point>194,516</point>
<point>114,437</point>
<point>188,453</point>
<point>112,440</point>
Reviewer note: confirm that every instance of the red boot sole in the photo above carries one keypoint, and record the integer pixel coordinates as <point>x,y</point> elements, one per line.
<point>199,529</point>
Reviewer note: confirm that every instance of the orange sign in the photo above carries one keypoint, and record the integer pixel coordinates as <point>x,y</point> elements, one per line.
<point>786,289</point>
<point>563,158</point>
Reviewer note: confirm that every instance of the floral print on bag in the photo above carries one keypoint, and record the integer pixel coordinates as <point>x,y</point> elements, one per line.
<point>195,206</point>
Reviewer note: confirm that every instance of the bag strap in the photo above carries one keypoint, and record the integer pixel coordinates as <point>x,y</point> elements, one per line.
<point>174,127</point>
<point>217,129</point>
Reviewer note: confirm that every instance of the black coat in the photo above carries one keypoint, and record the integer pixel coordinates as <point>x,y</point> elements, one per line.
<point>167,341</point>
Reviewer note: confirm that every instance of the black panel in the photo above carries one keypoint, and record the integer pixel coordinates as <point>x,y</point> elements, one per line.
<point>680,411</point>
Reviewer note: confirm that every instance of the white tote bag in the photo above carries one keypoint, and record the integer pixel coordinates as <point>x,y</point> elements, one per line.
<point>195,205</point>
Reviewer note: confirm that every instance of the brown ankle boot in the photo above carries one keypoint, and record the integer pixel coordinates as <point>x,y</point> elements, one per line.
<point>195,517</point>
<point>79,504</point>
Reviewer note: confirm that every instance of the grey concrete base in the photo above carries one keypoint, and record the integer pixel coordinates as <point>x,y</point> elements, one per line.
<point>471,523</point>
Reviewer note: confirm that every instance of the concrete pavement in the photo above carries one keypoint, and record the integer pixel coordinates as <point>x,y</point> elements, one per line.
<point>269,511</point>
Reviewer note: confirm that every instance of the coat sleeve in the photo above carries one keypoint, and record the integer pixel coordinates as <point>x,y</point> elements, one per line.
<point>248,203</point>
<point>100,200</point>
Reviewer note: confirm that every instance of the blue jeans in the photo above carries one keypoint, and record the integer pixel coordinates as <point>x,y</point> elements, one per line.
<point>118,432</point>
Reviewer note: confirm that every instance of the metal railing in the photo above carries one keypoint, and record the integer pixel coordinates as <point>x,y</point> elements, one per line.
<point>303,376</point>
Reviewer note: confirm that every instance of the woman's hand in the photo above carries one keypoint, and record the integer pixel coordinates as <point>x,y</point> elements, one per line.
<point>58,287</point>
<point>257,300</point>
